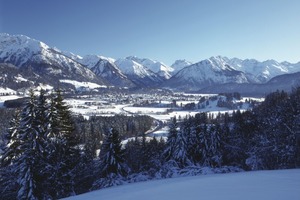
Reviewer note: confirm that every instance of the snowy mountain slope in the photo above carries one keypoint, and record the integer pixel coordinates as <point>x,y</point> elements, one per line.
<point>40,61</point>
<point>261,72</point>
<point>292,67</point>
<point>107,69</point>
<point>259,185</point>
<point>139,74</point>
<point>104,68</point>
<point>179,65</point>
<point>284,82</point>
<point>160,68</point>
<point>12,77</point>
<point>91,60</point>
<point>19,49</point>
<point>69,54</point>
<point>208,72</point>
<point>235,73</point>
<point>37,62</point>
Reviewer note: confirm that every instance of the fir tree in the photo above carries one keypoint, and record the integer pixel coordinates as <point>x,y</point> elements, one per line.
<point>65,154</point>
<point>215,146</point>
<point>133,155</point>
<point>10,150</point>
<point>8,178</point>
<point>171,142</point>
<point>90,143</point>
<point>294,126</point>
<point>42,155</point>
<point>29,163</point>
<point>180,155</point>
<point>112,167</point>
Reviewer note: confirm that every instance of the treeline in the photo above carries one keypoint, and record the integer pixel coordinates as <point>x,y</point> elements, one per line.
<point>5,116</point>
<point>50,155</point>
<point>42,157</point>
<point>267,137</point>
<point>97,126</point>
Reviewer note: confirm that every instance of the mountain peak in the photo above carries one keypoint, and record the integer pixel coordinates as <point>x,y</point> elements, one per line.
<point>18,49</point>
<point>160,68</point>
<point>180,64</point>
<point>21,41</point>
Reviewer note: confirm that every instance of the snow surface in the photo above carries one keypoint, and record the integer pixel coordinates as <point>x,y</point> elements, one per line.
<point>91,60</point>
<point>180,64</point>
<point>259,185</point>
<point>20,49</point>
<point>264,71</point>
<point>19,46</point>
<point>130,67</point>
<point>19,78</point>
<point>7,91</point>
<point>155,66</point>
<point>5,98</point>
<point>205,73</point>
<point>78,84</point>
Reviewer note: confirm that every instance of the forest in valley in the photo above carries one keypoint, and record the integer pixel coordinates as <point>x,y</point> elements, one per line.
<point>48,153</point>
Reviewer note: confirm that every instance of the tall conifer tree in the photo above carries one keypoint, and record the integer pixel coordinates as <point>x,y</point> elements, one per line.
<point>112,167</point>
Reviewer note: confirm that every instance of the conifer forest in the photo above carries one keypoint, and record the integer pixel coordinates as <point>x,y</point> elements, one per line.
<point>49,153</point>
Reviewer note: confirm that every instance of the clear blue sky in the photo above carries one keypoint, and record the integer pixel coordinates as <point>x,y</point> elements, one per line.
<point>164,30</point>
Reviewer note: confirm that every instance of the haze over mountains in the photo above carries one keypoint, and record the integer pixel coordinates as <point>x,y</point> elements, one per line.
<point>28,62</point>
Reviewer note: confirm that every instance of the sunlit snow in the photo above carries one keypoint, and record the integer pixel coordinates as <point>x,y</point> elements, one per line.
<point>78,84</point>
<point>259,185</point>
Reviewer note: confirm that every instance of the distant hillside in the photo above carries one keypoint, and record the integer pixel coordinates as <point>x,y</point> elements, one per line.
<point>30,63</point>
<point>283,82</point>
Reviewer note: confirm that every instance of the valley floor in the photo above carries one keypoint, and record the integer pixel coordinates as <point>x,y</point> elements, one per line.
<point>258,185</point>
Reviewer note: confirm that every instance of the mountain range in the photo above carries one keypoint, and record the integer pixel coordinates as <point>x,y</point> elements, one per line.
<point>26,62</point>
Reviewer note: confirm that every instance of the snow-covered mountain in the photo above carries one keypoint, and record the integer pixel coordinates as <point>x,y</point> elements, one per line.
<point>41,62</point>
<point>138,73</point>
<point>157,67</point>
<point>212,71</point>
<point>261,72</point>
<point>11,77</point>
<point>106,68</point>
<point>19,49</point>
<point>36,62</point>
<point>217,71</point>
<point>179,65</point>
<point>91,60</point>
<point>284,82</point>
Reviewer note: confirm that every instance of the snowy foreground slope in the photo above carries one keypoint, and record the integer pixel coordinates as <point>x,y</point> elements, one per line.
<point>259,185</point>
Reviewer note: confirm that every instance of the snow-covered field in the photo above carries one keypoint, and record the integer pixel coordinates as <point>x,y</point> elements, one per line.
<point>87,85</point>
<point>5,98</point>
<point>259,185</point>
<point>108,106</point>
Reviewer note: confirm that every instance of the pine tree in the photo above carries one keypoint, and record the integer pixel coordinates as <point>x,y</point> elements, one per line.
<point>112,167</point>
<point>90,143</point>
<point>193,129</point>
<point>215,146</point>
<point>155,149</point>
<point>294,127</point>
<point>42,115</point>
<point>181,155</point>
<point>30,161</point>
<point>65,154</point>
<point>10,151</point>
<point>171,142</point>
<point>43,154</point>
<point>133,155</point>
<point>26,152</point>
